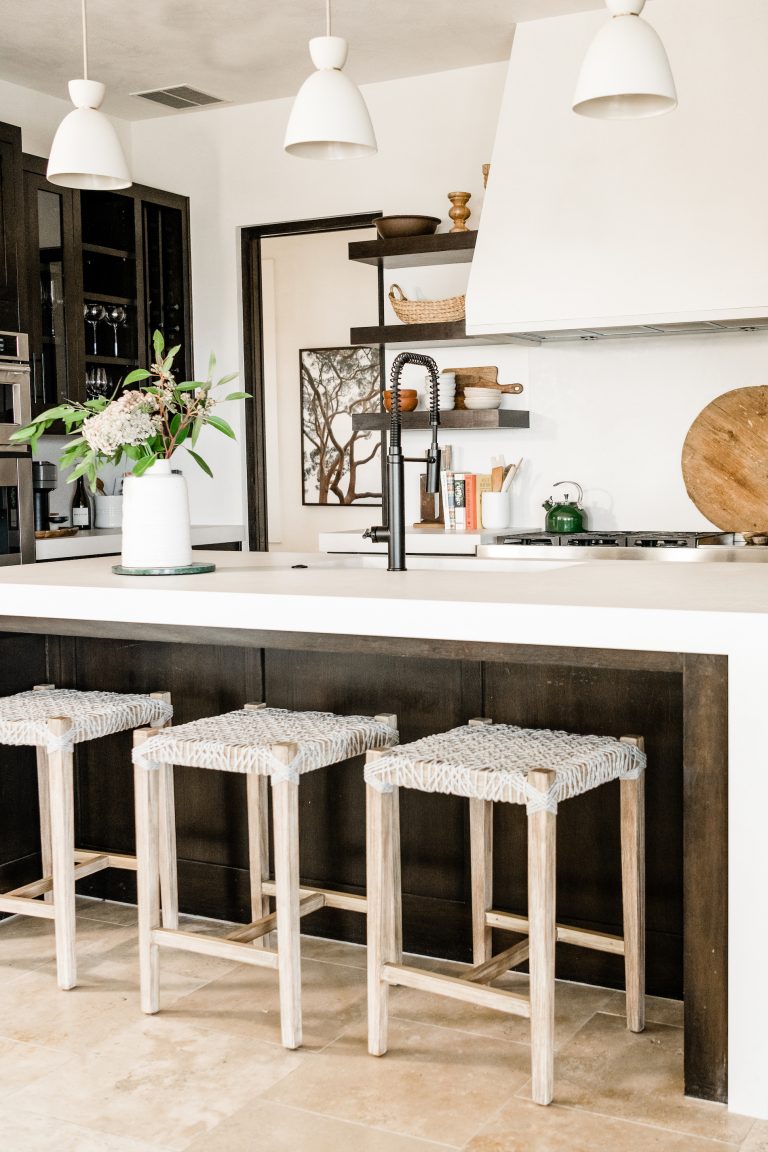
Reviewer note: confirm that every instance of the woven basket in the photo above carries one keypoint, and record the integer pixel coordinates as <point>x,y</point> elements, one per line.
<point>426,311</point>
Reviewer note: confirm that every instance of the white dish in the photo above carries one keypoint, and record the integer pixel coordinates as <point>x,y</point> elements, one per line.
<point>480,402</point>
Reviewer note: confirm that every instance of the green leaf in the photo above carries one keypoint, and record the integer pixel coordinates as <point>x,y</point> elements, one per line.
<point>199,460</point>
<point>144,463</point>
<point>197,428</point>
<point>211,365</point>
<point>221,425</point>
<point>226,379</point>
<point>158,343</point>
<point>239,396</point>
<point>187,386</point>
<point>23,433</point>
<point>136,374</point>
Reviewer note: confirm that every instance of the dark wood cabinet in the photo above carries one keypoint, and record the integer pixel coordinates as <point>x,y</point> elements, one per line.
<point>106,269</point>
<point>12,257</point>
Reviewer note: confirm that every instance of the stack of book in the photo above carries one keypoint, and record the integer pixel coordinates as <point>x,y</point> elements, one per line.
<point>462,497</point>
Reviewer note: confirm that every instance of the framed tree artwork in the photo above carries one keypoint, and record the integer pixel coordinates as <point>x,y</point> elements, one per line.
<point>339,465</point>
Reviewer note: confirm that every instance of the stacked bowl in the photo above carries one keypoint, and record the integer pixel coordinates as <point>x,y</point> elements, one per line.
<point>477,398</point>
<point>446,391</point>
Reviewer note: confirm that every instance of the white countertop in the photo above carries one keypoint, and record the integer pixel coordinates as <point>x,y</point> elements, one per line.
<point>108,541</point>
<point>715,608</point>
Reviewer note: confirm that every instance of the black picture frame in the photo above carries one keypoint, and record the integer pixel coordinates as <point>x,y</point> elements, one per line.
<point>339,467</point>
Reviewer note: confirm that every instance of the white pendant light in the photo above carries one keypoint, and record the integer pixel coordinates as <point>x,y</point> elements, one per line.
<point>626,73</point>
<point>329,119</point>
<point>86,152</point>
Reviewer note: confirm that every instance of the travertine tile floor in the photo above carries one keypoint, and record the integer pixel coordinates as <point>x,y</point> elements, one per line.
<point>85,1071</point>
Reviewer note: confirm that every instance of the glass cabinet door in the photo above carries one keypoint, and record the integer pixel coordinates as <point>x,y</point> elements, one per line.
<point>49,232</point>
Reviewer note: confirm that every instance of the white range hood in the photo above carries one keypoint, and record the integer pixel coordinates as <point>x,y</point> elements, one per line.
<point>594,228</point>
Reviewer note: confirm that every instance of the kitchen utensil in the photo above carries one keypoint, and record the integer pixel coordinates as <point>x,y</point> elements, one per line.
<point>409,398</point>
<point>497,477</point>
<point>116,315</point>
<point>390,227</point>
<point>511,472</point>
<point>568,515</point>
<point>724,460</point>
<point>44,479</point>
<point>483,398</point>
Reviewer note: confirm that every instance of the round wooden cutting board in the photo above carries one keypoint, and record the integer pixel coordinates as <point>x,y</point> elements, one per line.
<point>725,461</point>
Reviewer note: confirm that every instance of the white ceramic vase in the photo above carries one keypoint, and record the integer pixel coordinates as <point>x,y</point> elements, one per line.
<point>156,519</point>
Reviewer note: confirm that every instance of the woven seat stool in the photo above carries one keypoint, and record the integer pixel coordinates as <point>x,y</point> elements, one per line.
<point>267,745</point>
<point>491,763</point>
<point>53,721</point>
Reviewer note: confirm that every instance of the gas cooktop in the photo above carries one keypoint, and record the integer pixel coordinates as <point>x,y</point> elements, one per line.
<point>611,539</point>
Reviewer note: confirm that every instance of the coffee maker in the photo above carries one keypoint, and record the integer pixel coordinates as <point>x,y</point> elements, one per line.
<point>44,476</point>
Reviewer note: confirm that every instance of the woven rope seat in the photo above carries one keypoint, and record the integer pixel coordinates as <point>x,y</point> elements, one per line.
<point>492,762</point>
<point>24,717</point>
<point>241,741</point>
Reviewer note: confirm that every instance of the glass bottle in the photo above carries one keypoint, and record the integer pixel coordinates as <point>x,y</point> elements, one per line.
<point>82,516</point>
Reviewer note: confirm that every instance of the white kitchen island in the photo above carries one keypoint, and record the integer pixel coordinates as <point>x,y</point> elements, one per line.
<point>714,610</point>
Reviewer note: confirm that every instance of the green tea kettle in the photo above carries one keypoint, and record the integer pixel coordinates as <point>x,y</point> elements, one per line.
<point>567,516</point>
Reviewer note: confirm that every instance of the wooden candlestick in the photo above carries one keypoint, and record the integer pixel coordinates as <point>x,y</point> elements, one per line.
<point>459,212</point>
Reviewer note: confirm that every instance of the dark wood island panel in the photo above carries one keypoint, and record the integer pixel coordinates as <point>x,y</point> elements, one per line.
<point>678,703</point>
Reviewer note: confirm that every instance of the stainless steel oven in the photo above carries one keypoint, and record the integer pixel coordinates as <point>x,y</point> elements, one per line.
<point>17,528</point>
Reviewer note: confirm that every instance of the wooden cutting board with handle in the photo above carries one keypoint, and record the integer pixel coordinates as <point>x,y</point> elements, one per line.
<point>725,461</point>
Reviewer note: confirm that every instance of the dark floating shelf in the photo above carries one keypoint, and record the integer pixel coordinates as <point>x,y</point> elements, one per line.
<point>104,298</point>
<point>102,250</point>
<point>483,418</point>
<point>111,360</point>
<point>427,335</point>
<point>415,251</point>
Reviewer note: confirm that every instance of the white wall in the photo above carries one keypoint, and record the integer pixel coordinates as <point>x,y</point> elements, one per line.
<point>434,134</point>
<point>612,416</point>
<point>312,295</point>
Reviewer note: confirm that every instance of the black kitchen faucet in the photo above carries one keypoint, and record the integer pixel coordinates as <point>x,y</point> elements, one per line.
<point>394,531</point>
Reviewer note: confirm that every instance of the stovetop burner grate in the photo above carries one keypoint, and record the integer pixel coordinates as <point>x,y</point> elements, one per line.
<point>622,539</point>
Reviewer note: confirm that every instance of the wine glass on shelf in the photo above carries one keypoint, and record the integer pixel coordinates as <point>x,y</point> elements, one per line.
<point>93,314</point>
<point>116,316</point>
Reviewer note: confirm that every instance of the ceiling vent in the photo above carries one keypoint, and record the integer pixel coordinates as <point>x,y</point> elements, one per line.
<point>180,96</point>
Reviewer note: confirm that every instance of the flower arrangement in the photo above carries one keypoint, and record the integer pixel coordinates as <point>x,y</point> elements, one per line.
<point>144,424</point>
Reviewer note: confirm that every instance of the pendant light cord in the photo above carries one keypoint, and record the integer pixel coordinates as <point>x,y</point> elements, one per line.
<point>327,17</point>
<point>85,44</point>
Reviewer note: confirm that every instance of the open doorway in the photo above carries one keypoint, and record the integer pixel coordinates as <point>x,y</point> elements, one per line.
<point>299,292</point>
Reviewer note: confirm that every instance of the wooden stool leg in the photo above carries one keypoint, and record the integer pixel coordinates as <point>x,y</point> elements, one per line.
<point>633,892</point>
<point>285,806</point>
<point>169,881</point>
<point>258,848</point>
<point>481,863</point>
<point>383,889</point>
<point>44,795</point>
<point>146,799</point>
<point>542,934</point>
<point>169,877</point>
<point>62,815</point>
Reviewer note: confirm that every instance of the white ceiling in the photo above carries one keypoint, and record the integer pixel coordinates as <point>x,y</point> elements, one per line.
<point>248,50</point>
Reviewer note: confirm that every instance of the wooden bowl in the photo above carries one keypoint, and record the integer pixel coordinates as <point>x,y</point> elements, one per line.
<point>391,227</point>
<point>409,398</point>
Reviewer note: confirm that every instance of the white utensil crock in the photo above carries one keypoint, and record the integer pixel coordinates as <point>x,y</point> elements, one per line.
<point>495,509</point>
<point>156,519</point>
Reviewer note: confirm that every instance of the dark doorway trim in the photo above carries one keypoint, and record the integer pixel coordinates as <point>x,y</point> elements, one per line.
<point>253,353</point>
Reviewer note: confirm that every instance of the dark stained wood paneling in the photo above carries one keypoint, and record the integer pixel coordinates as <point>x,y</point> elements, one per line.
<point>22,665</point>
<point>431,686</point>
<point>427,696</point>
<point>211,821</point>
<point>610,702</point>
<point>705,680</point>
